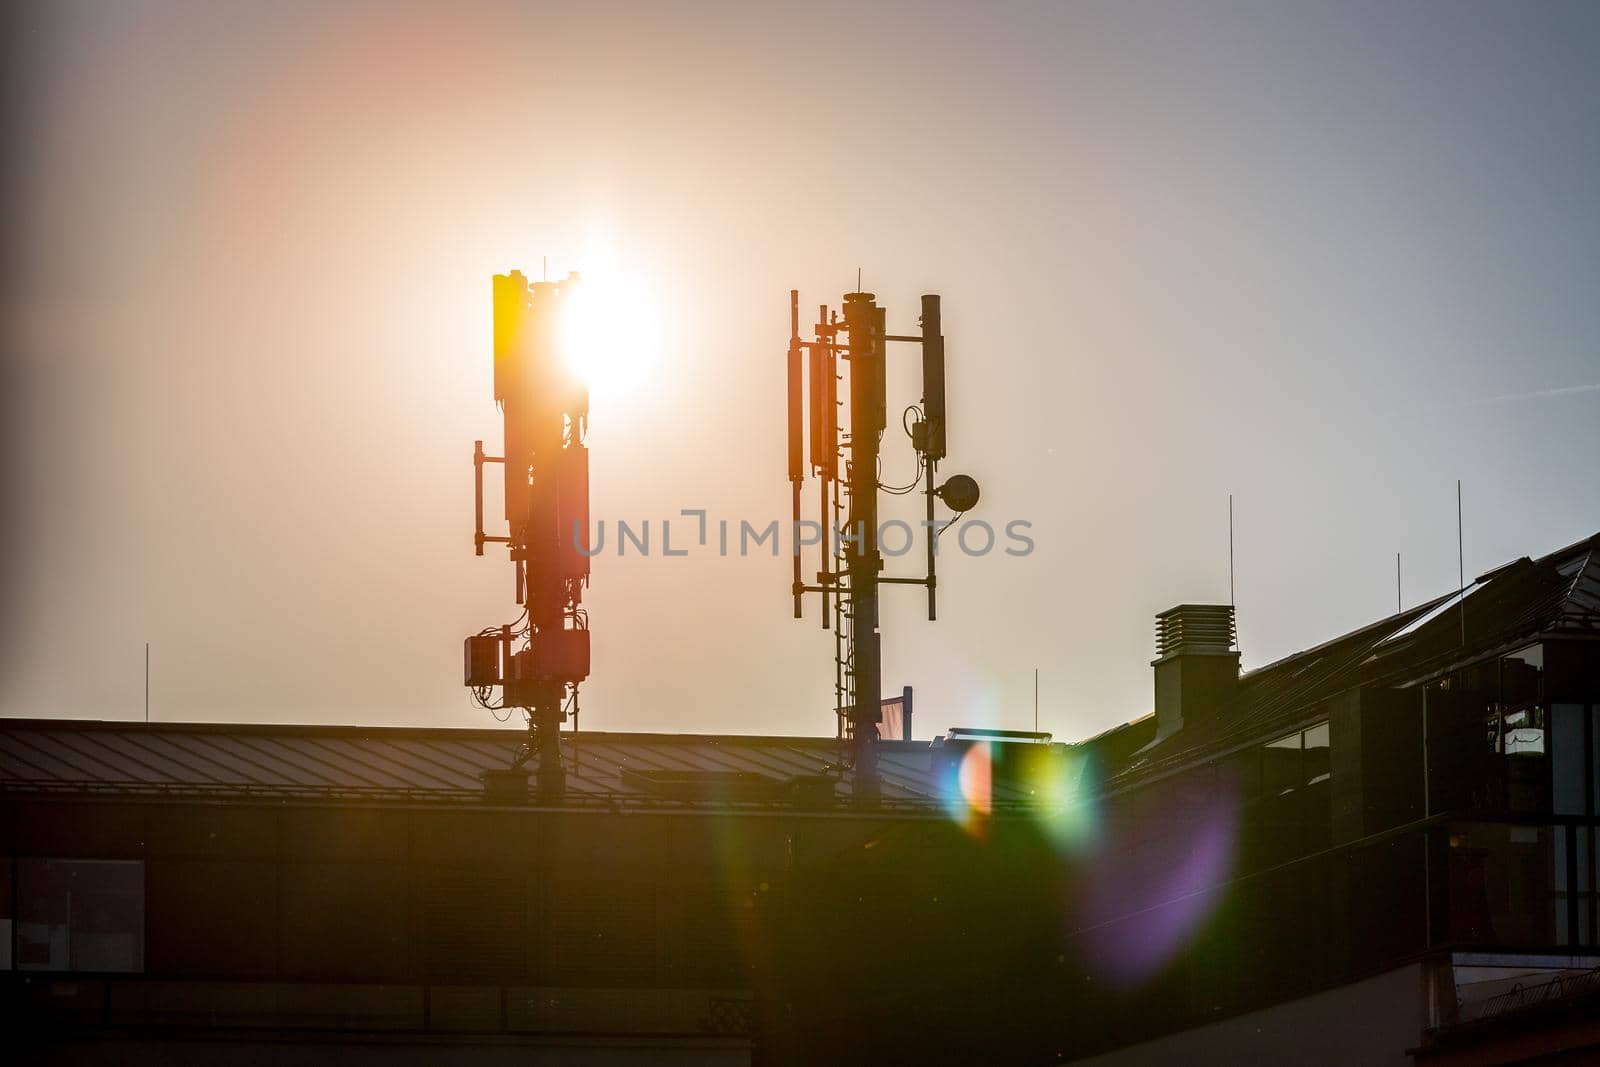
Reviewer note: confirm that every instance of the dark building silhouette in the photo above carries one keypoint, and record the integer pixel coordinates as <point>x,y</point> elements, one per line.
<point>1379,850</point>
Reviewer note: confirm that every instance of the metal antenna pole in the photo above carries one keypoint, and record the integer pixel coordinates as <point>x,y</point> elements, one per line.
<point>1231,601</point>
<point>933,547</point>
<point>796,438</point>
<point>843,598</point>
<point>853,562</point>
<point>1461,564</point>
<point>864,321</point>
<point>545,411</point>
<point>933,446</point>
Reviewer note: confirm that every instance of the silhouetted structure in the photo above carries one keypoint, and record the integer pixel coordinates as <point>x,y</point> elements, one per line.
<point>852,560</point>
<point>546,463</point>
<point>1379,850</point>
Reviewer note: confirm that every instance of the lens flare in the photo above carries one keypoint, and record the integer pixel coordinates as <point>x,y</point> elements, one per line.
<point>1143,884</point>
<point>968,788</point>
<point>1049,786</point>
<point>1146,902</point>
<point>977,779</point>
<point>1067,808</point>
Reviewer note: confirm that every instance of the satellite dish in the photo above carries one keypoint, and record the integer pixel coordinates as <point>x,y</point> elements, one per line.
<point>960,492</point>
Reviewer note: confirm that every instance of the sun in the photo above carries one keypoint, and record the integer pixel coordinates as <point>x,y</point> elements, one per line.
<point>608,334</point>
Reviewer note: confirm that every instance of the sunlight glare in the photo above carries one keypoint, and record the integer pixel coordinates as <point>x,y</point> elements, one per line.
<point>608,332</point>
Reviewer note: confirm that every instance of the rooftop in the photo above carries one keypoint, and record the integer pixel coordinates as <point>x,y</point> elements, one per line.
<point>421,764</point>
<point>1558,594</point>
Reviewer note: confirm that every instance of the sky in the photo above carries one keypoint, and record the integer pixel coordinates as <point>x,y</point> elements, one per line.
<point>1325,258</point>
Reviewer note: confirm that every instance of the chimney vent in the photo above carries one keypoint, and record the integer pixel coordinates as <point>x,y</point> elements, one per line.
<point>1196,665</point>
<point>1195,628</point>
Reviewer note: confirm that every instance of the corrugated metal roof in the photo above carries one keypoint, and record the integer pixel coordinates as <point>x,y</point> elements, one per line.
<point>411,763</point>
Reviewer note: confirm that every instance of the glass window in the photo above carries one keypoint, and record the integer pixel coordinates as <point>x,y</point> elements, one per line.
<point>1575,884</point>
<point>1280,766</point>
<point>1296,760</point>
<point>1594,754</point>
<point>1522,677</point>
<point>1523,734</point>
<point>1570,795</point>
<point>1563,900</point>
<point>1496,743</point>
<point>1318,768</point>
<point>80,915</point>
<point>1422,620</point>
<point>1572,671</point>
<point>1508,884</point>
<point>1585,884</point>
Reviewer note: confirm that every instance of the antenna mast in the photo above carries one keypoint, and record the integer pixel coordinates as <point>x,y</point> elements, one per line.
<point>851,570</point>
<point>1461,565</point>
<point>539,660</point>
<point>1231,601</point>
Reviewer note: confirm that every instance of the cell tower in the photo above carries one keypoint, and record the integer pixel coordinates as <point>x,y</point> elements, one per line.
<point>538,661</point>
<point>850,577</point>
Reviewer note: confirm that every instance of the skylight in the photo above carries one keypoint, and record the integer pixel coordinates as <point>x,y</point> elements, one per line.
<point>1428,616</point>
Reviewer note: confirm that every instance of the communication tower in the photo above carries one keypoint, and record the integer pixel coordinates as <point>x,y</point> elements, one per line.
<point>538,661</point>
<point>850,577</point>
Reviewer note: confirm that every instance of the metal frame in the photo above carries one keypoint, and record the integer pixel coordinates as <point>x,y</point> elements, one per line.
<point>849,577</point>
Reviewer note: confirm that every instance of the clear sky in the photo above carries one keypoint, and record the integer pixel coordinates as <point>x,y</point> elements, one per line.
<point>1328,258</point>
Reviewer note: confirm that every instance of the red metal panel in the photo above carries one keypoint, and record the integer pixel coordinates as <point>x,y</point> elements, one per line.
<point>572,511</point>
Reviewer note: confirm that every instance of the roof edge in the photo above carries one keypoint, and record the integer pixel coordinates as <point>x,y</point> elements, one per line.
<point>477,733</point>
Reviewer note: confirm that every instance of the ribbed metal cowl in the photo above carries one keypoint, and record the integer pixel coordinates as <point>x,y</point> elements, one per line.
<point>1195,628</point>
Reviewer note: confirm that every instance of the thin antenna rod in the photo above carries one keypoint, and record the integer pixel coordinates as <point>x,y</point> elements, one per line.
<point>1461,564</point>
<point>858,279</point>
<point>544,268</point>
<point>1036,700</point>
<point>1231,602</point>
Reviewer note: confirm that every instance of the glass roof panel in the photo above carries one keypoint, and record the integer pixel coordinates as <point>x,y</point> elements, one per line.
<point>1428,616</point>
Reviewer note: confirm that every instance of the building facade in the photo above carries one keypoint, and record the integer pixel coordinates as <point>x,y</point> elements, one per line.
<point>1379,850</point>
